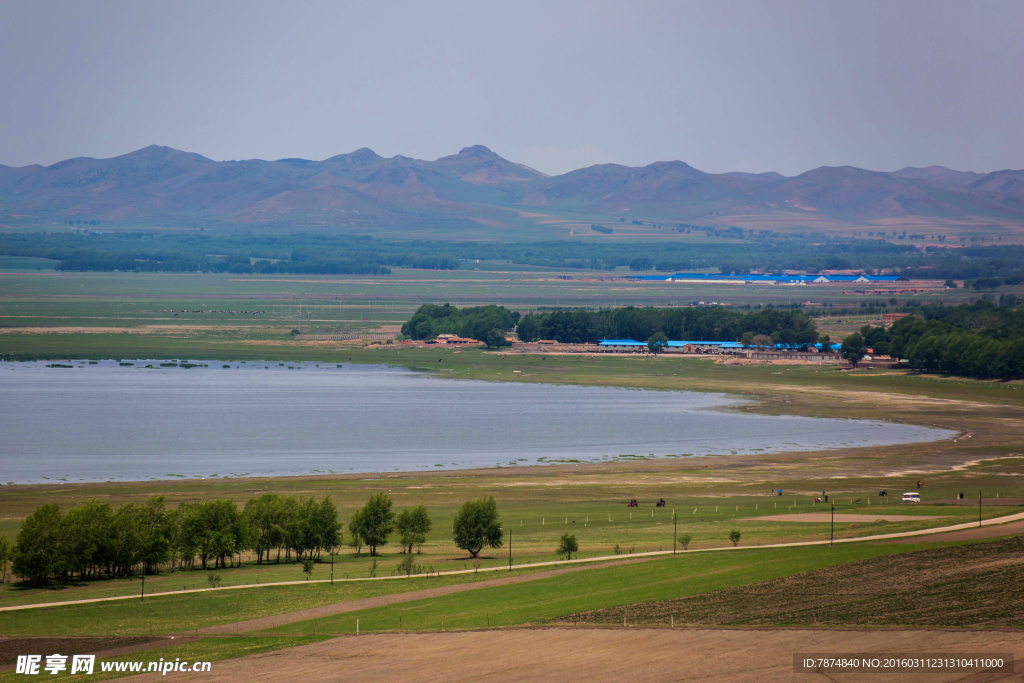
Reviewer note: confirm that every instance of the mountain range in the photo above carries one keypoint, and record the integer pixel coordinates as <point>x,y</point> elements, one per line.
<point>475,190</point>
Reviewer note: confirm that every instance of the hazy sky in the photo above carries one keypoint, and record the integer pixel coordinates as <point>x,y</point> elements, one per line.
<point>751,86</point>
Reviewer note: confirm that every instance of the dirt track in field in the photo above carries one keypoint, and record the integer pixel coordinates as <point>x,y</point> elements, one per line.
<point>826,517</point>
<point>383,600</point>
<point>975,534</point>
<point>599,655</point>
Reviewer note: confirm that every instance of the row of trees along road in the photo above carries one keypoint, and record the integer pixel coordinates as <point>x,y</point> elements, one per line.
<point>93,541</point>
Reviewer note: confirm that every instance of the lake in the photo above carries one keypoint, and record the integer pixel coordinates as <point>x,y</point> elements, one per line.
<point>107,422</point>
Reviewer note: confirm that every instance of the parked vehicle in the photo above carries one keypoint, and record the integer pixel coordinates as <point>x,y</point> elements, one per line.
<point>911,497</point>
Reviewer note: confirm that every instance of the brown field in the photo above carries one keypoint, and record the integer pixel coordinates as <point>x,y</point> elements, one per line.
<point>598,655</point>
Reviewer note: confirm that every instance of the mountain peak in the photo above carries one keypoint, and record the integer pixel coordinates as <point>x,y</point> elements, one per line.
<point>472,153</point>
<point>360,156</point>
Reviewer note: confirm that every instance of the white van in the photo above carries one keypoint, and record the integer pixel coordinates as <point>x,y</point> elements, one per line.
<point>911,497</point>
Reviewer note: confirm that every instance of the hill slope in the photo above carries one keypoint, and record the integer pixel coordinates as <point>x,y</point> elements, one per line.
<point>472,190</point>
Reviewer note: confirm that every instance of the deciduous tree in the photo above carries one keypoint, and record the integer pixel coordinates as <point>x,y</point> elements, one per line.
<point>476,525</point>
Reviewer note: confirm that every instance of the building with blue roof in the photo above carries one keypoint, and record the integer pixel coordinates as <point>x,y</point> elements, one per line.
<point>769,278</point>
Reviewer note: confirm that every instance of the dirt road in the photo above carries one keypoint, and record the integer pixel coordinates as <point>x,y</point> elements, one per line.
<point>383,600</point>
<point>600,655</point>
<point>825,517</point>
<point>973,534</point>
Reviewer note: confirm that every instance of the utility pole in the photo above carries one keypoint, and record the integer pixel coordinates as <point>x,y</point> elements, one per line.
<point>674,533</point>
<point>332,566</point>
<point>510,549</point>
<point>143,598</point>
<point>979,507</point>
<point>832,535</point>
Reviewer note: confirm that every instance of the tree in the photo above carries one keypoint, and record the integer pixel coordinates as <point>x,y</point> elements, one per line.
<point>476,525</point>
<point>374,522</point>
<point>325,527</point>
<point>495,339</point>
<point>949,284</point>
<point>5,557</point>
<point>641,263</point>
<point>38,551</point>
<point>307,567</point>
<point>657,343</point>
<point>355,539</point>
<point>853,348</point>
<point>826,342</point>
<point>987,283</point>
<point>734,536</point>
<point>762,341</point>
<point>567,546</point>
<point>265,517</point>
<point>684,540</point>
<point>747,339</point>
<point>87,531</point>
<point>413,524</point>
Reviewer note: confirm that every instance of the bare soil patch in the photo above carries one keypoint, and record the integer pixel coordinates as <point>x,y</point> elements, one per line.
<point>593,655</point>
<point>966,585</point>
<point>827,517</point>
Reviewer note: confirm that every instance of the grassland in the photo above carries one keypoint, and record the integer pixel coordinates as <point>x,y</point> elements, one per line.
<point>126,300</point>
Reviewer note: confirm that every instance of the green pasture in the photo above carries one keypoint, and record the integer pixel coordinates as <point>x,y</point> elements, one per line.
<point>536,601</point>
<point>9,263</point>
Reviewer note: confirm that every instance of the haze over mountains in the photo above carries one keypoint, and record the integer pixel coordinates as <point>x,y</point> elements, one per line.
<point>474,188</point>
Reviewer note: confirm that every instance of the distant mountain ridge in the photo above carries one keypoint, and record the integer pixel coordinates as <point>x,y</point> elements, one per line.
<point>359,190</point>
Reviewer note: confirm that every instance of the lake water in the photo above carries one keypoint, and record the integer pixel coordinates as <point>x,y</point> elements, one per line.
<point>107,422</point>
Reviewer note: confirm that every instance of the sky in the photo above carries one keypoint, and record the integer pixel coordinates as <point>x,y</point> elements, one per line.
<point>750,86</point>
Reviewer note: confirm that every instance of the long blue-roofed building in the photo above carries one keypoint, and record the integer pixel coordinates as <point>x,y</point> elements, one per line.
<point>771,278</point>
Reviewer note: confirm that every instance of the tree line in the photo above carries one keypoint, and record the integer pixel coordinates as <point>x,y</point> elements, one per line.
<point>488,324</point>
<point>762,250</point>
<point>792,328</point>
<point>981,340</point>
<point>145,252</point>
<point>93,540</point>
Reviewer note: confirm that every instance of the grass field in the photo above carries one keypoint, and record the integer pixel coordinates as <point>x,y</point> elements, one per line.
<point>651,579</point>
<point>972,584</point>
<point>537,601</point>
<point>115,300</point>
